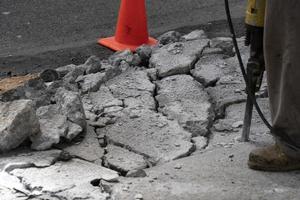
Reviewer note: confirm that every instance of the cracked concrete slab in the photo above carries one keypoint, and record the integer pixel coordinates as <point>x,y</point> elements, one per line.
<point>182,98</point>
<point>219,174</point>
<point>134,87</point>
<point>146,101</point>
<point>177,58</point>
<point>131,83</point>
<point>225,95</point>
<point>150,134</point>
<point>151,140</point>
<point>208,70</point>
<point>225,134</point>
<point>11,188</point>
<point>102,99</point>
<point>68,180</point>
<point>26,157</point>
<point>123,160</point>
<point>88,149</point>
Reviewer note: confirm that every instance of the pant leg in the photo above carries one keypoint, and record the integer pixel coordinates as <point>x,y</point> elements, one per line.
<point>282,56</point>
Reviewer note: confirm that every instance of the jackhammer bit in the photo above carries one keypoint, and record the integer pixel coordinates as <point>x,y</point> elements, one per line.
<point>255,72</point>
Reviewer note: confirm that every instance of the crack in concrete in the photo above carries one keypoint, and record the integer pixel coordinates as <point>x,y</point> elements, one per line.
<point>104,162</point>
<point>37,192</point>
<point>146,157</point>
<point>220,112</point>
<point>155,93</point>
<point>198,57</point>
<point>211,121</point>
<point>154,97</point>
<point>30,191</point>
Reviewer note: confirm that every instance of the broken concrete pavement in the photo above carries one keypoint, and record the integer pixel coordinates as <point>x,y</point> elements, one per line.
<point>161,123</point>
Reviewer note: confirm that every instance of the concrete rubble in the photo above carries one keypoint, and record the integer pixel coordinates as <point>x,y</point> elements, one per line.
<point>123,160</point>
<point>13,128</point>
<point>161,123</point>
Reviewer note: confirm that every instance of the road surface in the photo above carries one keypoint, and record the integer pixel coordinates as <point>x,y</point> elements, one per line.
<point>35,34</point>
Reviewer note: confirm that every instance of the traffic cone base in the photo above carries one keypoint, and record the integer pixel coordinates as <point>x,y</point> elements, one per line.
<point>131,30</point>
<point>111,43</point>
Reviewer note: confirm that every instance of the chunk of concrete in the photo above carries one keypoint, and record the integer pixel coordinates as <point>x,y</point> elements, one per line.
<point>182,98</point>
<point>64,119</point>
<point>119,56</point>
<point>177,58</point>
<point>92,65</point>
<point>111,71</point>
<point>144,53</point>
<point>71,105</point>
<point>91,82</point>
<point>72,75</point>
<point>18,121</point>
<point>212,51</point>
<point>152,73</point>
<point>225,95</point>
<point>195,35</point>
<point>225,43</point>
<point>102,99</point>
<point>53,126</point>
<point>123,160</point>
<point>88,149</point>
<point>169,37</point>
<point>134,87</point>
<point>208,70</point>
<point>131,83</point>
<point>73,130</point>
<point>136,173</point>
<point>64,70</point>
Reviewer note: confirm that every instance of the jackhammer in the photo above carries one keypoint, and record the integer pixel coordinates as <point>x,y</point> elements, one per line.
<point>255,67</point>
<point>255,15</point>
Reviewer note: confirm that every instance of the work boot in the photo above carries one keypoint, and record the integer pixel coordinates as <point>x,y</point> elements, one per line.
<point>272,158</point>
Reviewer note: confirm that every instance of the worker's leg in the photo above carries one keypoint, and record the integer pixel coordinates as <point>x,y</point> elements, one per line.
<point>282,56</point>
<point>282,53</point>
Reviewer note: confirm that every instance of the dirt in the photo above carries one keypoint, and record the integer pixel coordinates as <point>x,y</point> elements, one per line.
<point>10,83</point>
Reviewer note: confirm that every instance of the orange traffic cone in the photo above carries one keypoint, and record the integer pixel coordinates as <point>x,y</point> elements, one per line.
<point>132,30</point>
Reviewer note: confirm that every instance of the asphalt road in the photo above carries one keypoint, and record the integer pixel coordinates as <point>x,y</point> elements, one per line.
<point>36,34</point>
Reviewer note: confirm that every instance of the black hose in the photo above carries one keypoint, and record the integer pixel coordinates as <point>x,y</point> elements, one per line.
<point>238,54</point>
<point>284,137</point>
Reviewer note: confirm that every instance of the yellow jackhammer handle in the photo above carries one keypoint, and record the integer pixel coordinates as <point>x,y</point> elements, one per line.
<point>255,14</point>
